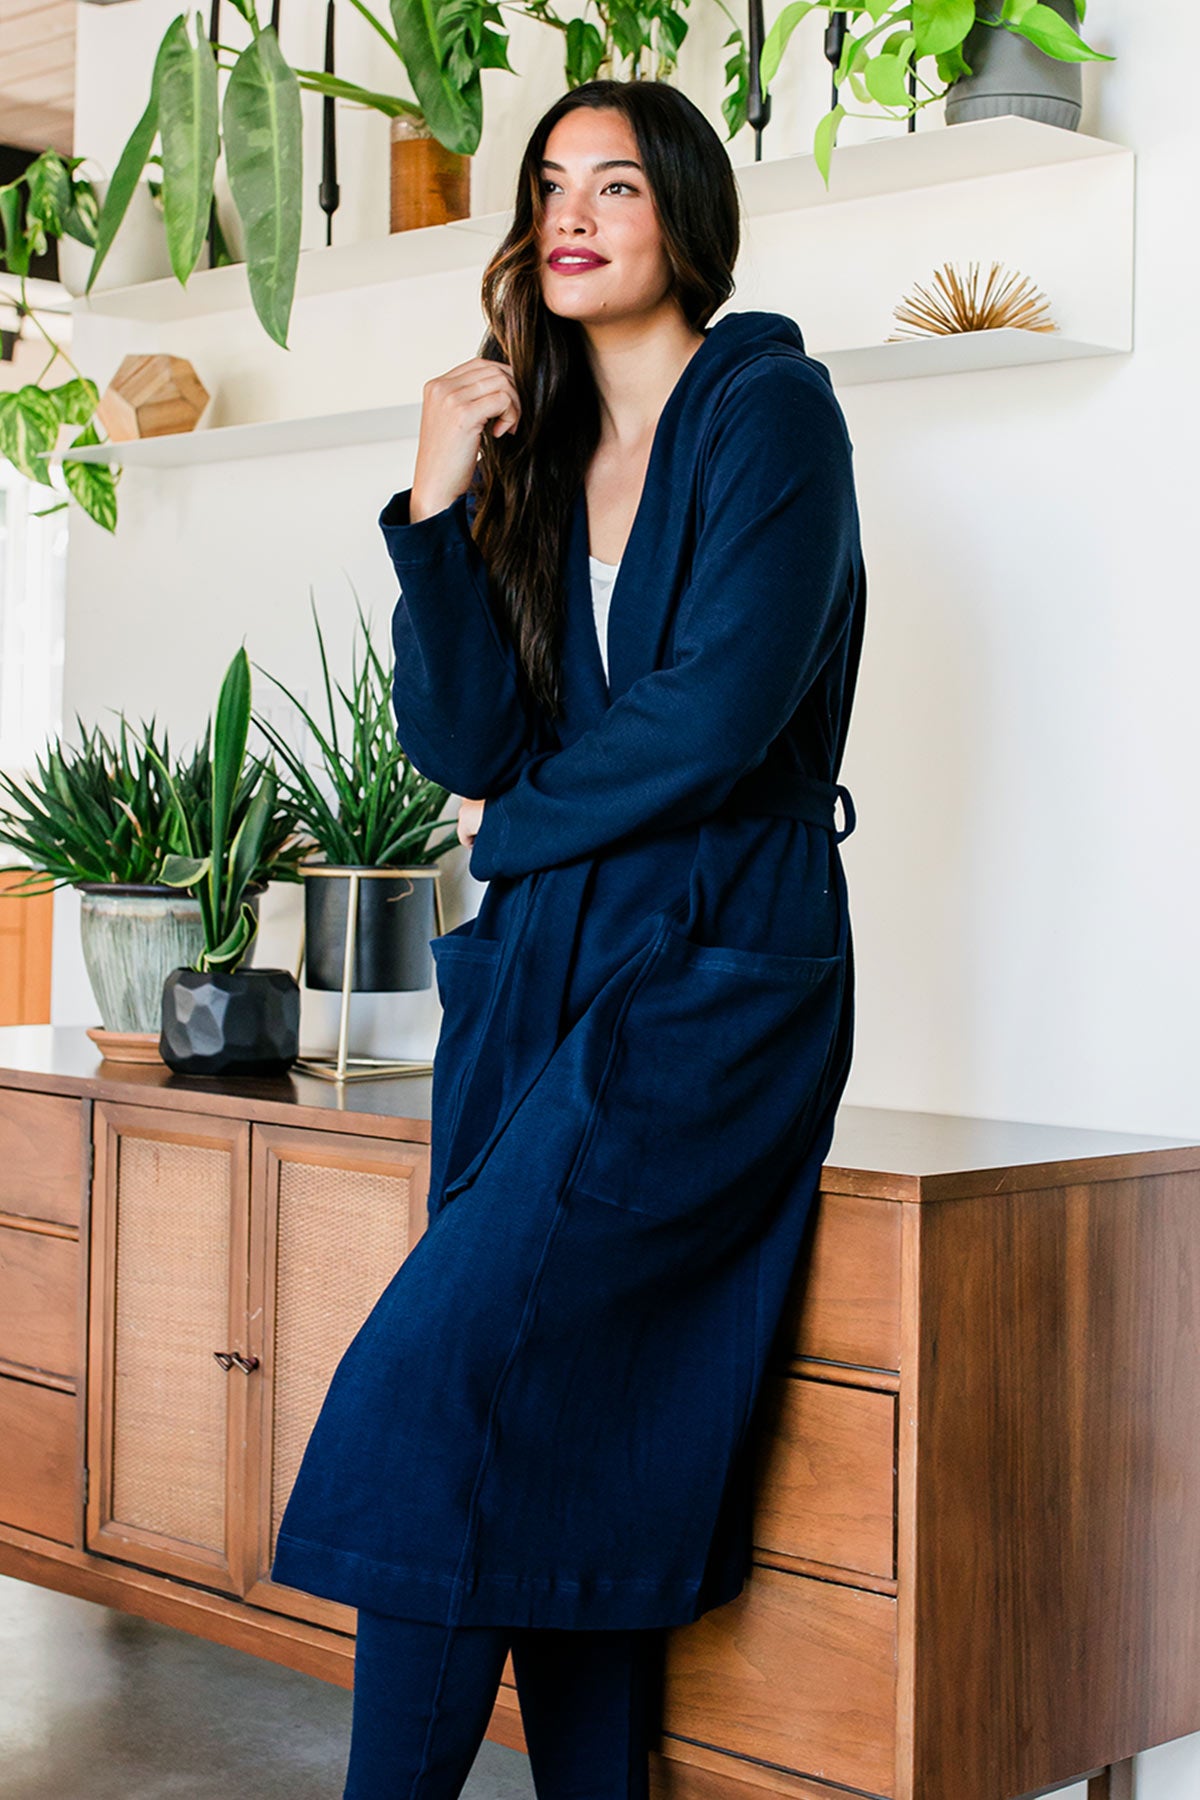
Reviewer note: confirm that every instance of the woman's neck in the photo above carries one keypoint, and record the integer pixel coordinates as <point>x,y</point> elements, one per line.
<point>635,365</point>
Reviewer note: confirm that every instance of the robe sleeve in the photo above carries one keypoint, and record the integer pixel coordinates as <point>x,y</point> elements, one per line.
<point>769,595</point>
<point>459,712</point>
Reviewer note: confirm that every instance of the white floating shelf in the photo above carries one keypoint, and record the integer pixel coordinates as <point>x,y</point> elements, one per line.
<point>270,437</point>
<point>949,355</point>
<point>955,354</point>
<point>887,165</point>
<point>917,159</point>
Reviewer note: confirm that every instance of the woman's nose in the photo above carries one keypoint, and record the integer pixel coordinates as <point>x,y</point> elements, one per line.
<point>573,214</point>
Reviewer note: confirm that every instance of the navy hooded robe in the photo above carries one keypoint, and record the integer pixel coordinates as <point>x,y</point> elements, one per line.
<point>546,1419</point>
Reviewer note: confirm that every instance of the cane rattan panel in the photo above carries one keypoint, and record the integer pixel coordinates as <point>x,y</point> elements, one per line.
<point>172,1312</point>
<point>351,1221</point>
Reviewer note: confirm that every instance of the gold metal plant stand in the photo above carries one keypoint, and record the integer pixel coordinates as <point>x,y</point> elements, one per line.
<point>342,1067</point>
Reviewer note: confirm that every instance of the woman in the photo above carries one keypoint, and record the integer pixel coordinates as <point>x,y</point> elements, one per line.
<point>541,1436</point>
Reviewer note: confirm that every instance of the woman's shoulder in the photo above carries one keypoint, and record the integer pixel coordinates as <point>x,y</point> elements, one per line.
<point>782,397</point>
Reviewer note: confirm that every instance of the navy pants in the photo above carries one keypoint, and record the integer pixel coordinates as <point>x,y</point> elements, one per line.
<point>423,1695</point>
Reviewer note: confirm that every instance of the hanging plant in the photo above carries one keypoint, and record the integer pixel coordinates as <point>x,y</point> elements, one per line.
<point>879,63</point>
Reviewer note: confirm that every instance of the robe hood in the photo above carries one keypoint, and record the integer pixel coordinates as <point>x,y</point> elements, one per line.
<point>739,339</point>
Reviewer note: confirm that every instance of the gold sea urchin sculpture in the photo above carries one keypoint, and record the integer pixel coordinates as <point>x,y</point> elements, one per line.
<point>960,307</point>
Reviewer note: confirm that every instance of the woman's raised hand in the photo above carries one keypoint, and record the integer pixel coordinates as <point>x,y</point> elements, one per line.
<point>455,409</point>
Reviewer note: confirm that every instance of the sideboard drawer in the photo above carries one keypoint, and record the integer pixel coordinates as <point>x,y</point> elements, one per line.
<point>794,1672</point>
<point>847,1299</point>
<point>39,1301</point>
<point>41,1469</point>
<point>826,1480</point>
<point>41,1168</point>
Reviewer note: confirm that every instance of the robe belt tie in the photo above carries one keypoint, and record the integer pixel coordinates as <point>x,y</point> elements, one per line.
<point>788,794</point>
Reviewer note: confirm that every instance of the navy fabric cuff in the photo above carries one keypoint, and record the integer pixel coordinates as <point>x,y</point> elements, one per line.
<point>427,540</point>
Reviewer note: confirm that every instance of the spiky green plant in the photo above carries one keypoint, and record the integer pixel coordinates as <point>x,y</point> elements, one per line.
<point>381,811</point>
<point>221,852</point>
<point>96,813</point>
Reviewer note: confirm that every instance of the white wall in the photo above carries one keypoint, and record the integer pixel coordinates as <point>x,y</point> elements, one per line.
<point>1026,736</point>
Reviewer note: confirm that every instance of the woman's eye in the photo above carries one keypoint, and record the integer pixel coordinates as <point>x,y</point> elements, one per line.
<point>547,184</point>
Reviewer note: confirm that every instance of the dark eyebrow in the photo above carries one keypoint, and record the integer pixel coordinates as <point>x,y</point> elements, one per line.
<point>616,162</point>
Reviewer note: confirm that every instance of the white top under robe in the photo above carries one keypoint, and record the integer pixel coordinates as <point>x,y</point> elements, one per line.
<point>603,576</point>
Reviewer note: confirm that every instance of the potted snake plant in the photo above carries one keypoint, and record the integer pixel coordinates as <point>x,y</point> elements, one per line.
<point>218,1016</point>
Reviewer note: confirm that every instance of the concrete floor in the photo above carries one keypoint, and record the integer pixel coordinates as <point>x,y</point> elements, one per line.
<point>99,1705</point>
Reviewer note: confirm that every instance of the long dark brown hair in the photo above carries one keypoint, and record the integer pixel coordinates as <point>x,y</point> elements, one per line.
<point>526,480</point>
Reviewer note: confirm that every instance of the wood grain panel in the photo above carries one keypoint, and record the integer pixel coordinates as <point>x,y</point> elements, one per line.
<point>795,1672</point>
<point>40,1471</point>
<point>1059,1463</point>
<point>41,1162</point>
<point>847,1296</point>
<point>825,1481</point>
<point>39,1312</point>
<point>26,930</point>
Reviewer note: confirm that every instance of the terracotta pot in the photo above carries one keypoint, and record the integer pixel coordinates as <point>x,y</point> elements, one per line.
<point>430,184</point>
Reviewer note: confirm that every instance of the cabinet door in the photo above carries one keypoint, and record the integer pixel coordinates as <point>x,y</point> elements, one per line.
<point>166,1419</point>
<point>333,1215</point>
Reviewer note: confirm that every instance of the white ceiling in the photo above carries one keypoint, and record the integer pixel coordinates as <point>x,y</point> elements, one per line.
<point>37,74</point>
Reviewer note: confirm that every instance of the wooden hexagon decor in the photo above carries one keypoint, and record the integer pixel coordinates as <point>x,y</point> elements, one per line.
<point>150,396</point>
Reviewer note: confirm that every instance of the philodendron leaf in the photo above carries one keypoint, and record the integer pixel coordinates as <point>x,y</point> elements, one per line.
<point>184,871</point>
<point>93,485</point>
<point>1043,27</point>
<point>130,164</point>
<point>454,109</point>
<point>187,90</point>
<point>261,123</point>
<point>940,24</point>
<point>885,77</point>
<point>825,137</point>
<point>29,422</point>
<point>776,40</point>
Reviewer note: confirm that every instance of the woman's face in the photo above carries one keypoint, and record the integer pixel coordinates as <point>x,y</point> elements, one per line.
<point>605,216</point>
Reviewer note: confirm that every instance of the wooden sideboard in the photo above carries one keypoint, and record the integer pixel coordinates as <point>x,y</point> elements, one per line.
<point>977,1527</point>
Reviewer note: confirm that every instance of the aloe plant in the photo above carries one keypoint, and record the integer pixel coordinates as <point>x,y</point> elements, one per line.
<point>102,813</point>
<point>96,813</point>
<point>221,860</point>
<point>381,811</point>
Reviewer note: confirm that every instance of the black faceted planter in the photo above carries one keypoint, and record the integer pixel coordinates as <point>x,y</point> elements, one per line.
<point>238,1022</point>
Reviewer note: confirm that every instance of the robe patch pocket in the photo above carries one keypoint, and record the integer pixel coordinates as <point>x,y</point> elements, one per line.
<point>466,968</point>
<point>716,1074</point>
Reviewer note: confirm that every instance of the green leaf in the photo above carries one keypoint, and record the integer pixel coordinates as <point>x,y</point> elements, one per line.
<point>939,25</point>
<point>776,40</point>
<point>248,843</point>
<point>825,137</point>
<point>261,119</point>
<point>228,755</point>
<point>187,90</point>
<point>93,485</point>
<point>233,947</point>
<point>452,106</point>
<point>1043,27</point>
<point>184,871</point>
<point>885,77</point>
<point>29,423</point>
<point>130,164</point>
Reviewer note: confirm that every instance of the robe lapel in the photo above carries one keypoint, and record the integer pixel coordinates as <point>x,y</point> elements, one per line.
<point>585,696</point>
